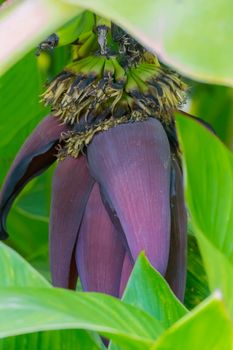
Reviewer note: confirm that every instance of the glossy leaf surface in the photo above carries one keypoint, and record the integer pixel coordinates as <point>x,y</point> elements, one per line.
<point>50,309</point>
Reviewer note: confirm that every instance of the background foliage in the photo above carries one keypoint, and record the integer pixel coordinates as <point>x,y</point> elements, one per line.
<point>194,38</point>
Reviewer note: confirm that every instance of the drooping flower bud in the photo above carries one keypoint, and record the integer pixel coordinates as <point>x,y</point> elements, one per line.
<point>36,155</point>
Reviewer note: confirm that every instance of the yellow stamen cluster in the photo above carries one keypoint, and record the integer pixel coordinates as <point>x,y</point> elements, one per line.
<point>99,92</point>
<point>75,142</point>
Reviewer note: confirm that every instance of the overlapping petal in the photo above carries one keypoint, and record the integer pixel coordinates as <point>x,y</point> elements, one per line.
<point>108,207</point>
<point>71,188</point>
<point>35,156</point>
<point>131,162</point>
<point>100,251</point>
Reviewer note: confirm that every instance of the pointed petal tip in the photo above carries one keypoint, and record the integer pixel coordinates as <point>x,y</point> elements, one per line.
<point>100,252</point>
<point>3,232</point>
<point>35,156</point>
<point>72,185</point>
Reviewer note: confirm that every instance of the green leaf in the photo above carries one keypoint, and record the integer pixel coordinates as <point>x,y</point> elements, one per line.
<point>59,340</point>
<point>50,309</point>
<point>25,307</point>
<point>194,37</point>
<point>197,284</point>
<point>218,114</point>
<point>148,290</point>
<point>207,327</point>
<point>16,272</point>
<point>208,167</point>
<point>219,269</point>
<point>28,33</point>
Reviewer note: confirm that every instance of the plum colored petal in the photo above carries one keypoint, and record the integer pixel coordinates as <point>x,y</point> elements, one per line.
<point>72,185</point>
<point>131,162</point>
<point>36,155</point>
<point>99,251</point>
<point>126,272</point>
<point>176,270</point>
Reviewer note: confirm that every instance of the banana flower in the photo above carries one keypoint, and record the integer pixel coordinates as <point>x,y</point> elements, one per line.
<point>117,189</point>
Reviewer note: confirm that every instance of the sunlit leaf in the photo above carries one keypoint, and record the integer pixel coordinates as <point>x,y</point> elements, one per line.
<point>15,272</point>
<point>207,327</point>
<point>50,309</point>
<point>46,309</point>
<point>208,166</point>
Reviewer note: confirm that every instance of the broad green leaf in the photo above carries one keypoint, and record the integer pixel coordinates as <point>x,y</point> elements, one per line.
<point>194,37</point>
<point>207,327</point>
<point>219,269</point>
<point>57,340</point>
<point>29,308</point>
<point>51,309</point>
<point>148,290</point>
<point>208,167</point>
<point>16,272</point>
